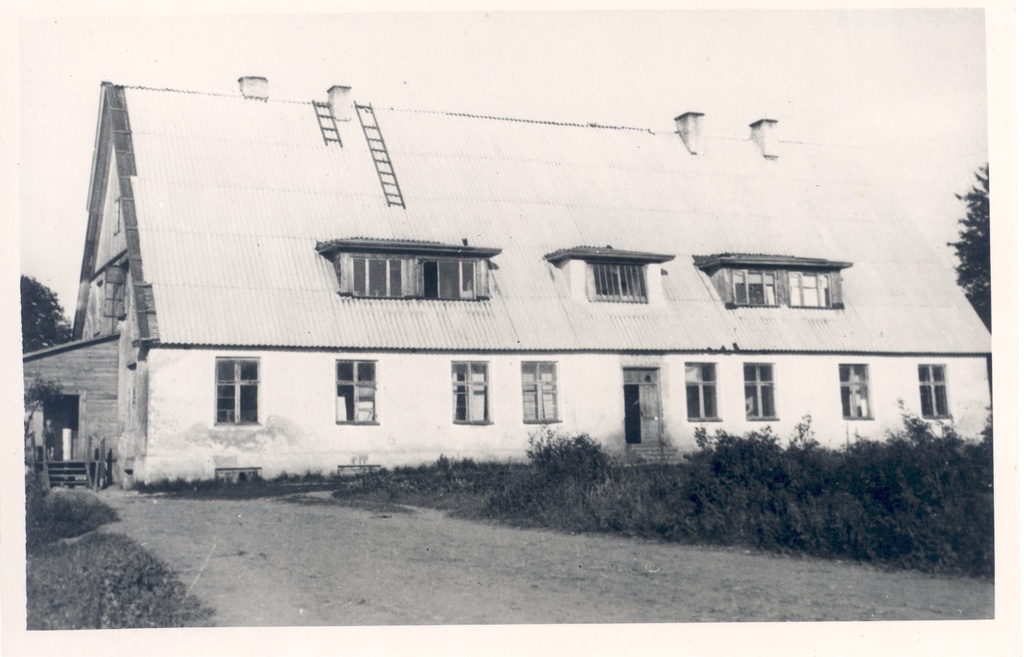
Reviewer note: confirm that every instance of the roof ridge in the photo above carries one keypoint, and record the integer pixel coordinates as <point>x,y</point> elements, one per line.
<point>568,124</point>
<point>213,94</point>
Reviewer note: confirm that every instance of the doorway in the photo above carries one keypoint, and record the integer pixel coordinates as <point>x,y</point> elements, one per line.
<point>60,429</point>
<point>642,398</point>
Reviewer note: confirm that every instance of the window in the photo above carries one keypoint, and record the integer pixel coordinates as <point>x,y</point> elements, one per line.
<point>759,390</point>
<point>540,392</point>
<point>449,279</point>
<point>377,277</point>
<point>933,391</point>
<point>357,392</point>
<point>469,393</point>
<point>853,383</point>
<point>700,391</point>
<point>238,383</point>
<point>754,288</point>
<point>809,290</point>
<point>618,283</point>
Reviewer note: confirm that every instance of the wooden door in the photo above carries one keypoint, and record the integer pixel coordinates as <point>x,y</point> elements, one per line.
<point>642,396</point>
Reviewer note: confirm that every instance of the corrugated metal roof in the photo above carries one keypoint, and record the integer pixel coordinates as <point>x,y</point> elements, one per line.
<point>234,195</point>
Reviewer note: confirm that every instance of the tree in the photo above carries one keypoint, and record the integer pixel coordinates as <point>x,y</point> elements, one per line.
<point>974,273</point>
<point>43,323</point>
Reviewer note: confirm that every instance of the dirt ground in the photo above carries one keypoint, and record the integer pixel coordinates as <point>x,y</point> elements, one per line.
<point>307,561</point>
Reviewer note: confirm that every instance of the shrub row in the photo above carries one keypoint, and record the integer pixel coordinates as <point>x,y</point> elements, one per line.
<point>917,500</point>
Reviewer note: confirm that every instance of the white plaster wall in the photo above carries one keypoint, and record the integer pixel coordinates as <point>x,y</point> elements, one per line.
<point>298,433</point>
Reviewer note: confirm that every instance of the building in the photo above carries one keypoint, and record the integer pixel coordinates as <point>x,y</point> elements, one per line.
<point>297,286</point>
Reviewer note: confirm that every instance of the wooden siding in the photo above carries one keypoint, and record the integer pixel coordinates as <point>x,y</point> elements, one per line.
<point>88,370</point>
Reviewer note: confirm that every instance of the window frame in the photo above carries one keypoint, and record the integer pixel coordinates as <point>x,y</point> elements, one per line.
<point>600,271</point>
<point>862,387</point>
<point>388,261</point>
<point>356,383</point>
<point>823,287</point>
<point>760,384</point>
<point>461,263</point>
<point>471,387</point>
<point>931,385</point>
<point>702,386</point>
<point>236,384</point>
<point>746,275</point>
<point>539,389</point>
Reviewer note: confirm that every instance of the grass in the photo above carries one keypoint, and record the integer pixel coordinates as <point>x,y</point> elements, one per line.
<point>77,579</point>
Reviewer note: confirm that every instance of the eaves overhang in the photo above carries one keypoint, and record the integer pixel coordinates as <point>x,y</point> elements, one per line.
<point>403,247</point>
<point>595,254</point>
<point>712,263</point>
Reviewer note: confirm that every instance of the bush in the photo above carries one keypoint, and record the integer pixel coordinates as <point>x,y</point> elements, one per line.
<point>105,581</point>
<point>64,514</point>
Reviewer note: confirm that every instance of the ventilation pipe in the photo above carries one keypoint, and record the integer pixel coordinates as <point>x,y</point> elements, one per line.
<point>689,126</point>
<point>762,132</point>
<point>254,87</point>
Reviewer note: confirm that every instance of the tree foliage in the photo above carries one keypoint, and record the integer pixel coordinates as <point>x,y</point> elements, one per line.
<point>43,323</point>
<point>974,273</point>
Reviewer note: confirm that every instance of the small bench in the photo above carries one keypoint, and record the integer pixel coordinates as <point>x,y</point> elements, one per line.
<point>236,475</point>
<point>355,470</point>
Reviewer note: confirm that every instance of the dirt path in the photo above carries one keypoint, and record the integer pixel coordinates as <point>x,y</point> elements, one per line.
<point>306,561</point>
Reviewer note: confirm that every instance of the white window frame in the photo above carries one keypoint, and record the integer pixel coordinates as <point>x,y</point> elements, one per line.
<point>770,291</point>
<point>236,383</point>
<point>357,385</point>
<point>471,388</point>
<point>542,413</point>
<point>703,387</point>
<point>858,387</point>
<point>823,293</point>
<point>463,279</point>
<point>930,386</point>
<point>621,276</point>
<point>759,385</point>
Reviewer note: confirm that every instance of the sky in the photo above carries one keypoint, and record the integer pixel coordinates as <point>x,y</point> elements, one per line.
<point>907,85</point>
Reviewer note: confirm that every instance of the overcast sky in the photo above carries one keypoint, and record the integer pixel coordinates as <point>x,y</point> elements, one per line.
<point>907,84</point>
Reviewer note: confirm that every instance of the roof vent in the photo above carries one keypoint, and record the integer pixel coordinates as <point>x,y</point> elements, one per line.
<point>339,98</point>
<point>254,87</point>
<point>762,132</point>
<point>689,126</point>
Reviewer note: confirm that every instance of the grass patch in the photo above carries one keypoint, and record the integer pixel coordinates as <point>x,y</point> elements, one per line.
<point>259,488</point>
<point>105,581</point>
<point>94,581</point>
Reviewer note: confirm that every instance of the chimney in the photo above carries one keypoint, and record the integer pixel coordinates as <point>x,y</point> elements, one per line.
<point>340,101</point>
<point>762,132</point>
<point>254,87</point>
<point>688,126</point>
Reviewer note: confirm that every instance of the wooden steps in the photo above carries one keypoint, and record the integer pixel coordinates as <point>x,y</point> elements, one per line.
<point>67,474</point>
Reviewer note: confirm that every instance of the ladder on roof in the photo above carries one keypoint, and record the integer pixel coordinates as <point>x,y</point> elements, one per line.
<point>328,126</point>
<point>381,159</point>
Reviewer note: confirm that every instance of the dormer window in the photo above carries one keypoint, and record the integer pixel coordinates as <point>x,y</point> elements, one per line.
<point>625,283</point>
<point>769,280</point>
<point>613,275</point>
<point>404,269</point>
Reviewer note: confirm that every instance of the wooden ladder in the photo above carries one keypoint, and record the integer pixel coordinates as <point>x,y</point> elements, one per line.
<point>328,126</point>
<point>381,159</point>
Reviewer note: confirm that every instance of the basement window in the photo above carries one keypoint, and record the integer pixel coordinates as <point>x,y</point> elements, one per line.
<point>238,383</point>
<point>357,392</point>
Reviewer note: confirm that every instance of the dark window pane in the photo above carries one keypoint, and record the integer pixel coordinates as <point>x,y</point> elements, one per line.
<point>939,373</point>
<point>247,411</point>
<point>448,279</point>
<point>225,370</point>
<point>359,275</point>
<point>395,274</point>
<point>767,401</point>
<point>710,408</point>
<point>940,401</point>
<point>766,372</point>
<point>378,278</point>
<point>366,371</point>
<point>249,370</point>
<point>693,401</point>
<point>461,406</point>
<point>846,402</point>
<point>750,398</point>
<point>460,372</point>
<point>468,281</point>
<point>430,280</point>
<point>707,371</point>
<point>529,372</point>
<point>748,373</point>
<point>346,403</point>
<point>926,401</point>
<point>844,373</point>
<point>345,371</point>
<point>547,371</point>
